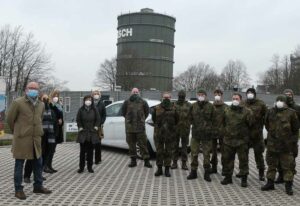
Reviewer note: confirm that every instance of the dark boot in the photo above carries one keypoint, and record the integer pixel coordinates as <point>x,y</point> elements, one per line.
<point>207,175</point>
<point>90,169</point>
<point>133,162</point>
<point>184,166</point>
<point>167,172</point>
<point>147,163</point>
<point>279,179</point>
<point>227,180</point>
<point>214,169</point>
<point>48,170</point>
<point>244,181</point>
<point>80,171</point>
<point>238,175</point>
<point>159,171</point>
<point>268,186</point>
<point>261,174</point>
<point>192,175</point>
<point>20,195</point>
<point>289,187</point>
<point>174,165</point>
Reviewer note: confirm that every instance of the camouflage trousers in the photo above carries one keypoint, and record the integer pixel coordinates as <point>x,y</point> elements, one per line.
<point>184,137</point>
<point>258,146</point>
<point>229,157</point>
<point>285,159</point>
<point>133,139</point>
<point>164,146</point>
<point>214,151</point>
<point>295,154</point>
<point>195,149</point>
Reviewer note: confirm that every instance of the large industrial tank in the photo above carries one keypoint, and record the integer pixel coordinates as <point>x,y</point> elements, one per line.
<point>145,54</point>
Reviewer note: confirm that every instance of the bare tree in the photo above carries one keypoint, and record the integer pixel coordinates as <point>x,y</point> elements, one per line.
<point>235,74</point>
<point>197,76</point>
<point>106,74</point>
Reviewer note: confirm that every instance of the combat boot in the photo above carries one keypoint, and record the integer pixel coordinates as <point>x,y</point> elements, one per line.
<point>289,187</point>
<point>268,186</point>
<point>227,180</point>
<point>167,172</point>
<point>207,175</point>
<point>214,169</point>
<point>279,179</point>
<point>261,174</point>
<point>184,166</point>
<point>238,175</point>
<point>133,162</point>
<point>147,163</point>
<point>244,181</point>
<point>174,165</point>
<point>192,175</point>
<point>158,171</point>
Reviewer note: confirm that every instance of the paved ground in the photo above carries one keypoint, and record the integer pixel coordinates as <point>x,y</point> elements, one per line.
<point>113,183</point>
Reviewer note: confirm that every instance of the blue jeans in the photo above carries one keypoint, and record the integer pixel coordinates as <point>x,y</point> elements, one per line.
<point>37,171</point>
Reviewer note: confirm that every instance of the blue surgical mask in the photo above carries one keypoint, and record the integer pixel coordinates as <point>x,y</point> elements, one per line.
<point>33,93</point>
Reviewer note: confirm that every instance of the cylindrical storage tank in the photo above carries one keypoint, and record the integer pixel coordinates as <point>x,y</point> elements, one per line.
<point>145,54</point>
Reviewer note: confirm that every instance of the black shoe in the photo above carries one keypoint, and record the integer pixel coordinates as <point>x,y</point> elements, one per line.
<point>53,170</point>
<point>174,165</point>
<point>207,175</point>
<point>147,163</point>
<point>279,179</point>
<point>159,171</point>
<point>261,175</point>
<point>27,180</point>
<point>133,162</point>
<point>227,180</point>
<point>90,170</point>
<point>42,190</point>
<point>192,175</point>
<point>20,195</point>
<point>184,166</point>
<point>244,181</point>
<point>167,172</point>
<point>97,163</point>
<point>48,170</point>
<point>238,175</point>
<point>80,171</point>
<point>268,186</point>
<point>289,187</point>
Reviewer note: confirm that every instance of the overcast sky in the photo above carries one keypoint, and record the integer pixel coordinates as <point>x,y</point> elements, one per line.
<point>80,34</point>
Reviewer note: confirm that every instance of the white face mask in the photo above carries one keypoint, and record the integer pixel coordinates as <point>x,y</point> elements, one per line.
<point>96,96</point>
<point>88,103</point>
<point>55,99</point>
<point>217,98</point>
<point>201,98</point>
<point>235,103</point>
<point>279,104</point>
<point>250,96</point>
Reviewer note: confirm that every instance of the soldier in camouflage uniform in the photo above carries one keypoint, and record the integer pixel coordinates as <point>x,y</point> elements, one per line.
<point>217,137</point>
<point>135,110</point>
<point>291,104</point>
<point>237,123</point>
<point>202,116</point>
<point>182,130</point>
<point>282,125</point>
<point>256,140</point>
<point>165,119</point>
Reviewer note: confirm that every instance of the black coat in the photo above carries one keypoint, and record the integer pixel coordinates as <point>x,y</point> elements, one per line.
<point>58,129</point>
<point>102,111</point>
<point>88,119</point>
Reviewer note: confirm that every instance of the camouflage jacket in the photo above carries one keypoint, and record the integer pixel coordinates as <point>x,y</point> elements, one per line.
<point>218,124</point>
<point>282,125</point>
<point>183,110</point>
<point>135,113</point>
<point>237,123</point>
<point>202,117</point>
<point>259,110</point>
<point>165,120</point>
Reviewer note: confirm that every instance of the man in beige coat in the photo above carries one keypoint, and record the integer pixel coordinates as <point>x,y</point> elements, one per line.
<point>24,118</point>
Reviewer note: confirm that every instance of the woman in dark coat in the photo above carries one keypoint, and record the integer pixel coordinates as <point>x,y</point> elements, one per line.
<point>88,122</point>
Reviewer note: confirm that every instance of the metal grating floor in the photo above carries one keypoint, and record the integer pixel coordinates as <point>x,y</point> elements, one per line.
<point>113,183</point>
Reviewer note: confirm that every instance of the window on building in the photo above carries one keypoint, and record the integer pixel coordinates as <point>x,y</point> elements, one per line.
<point>67,104</point>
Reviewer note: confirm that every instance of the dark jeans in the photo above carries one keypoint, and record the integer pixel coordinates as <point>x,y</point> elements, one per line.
<point>86,154</point>
<point>37,171</point>
<point>48,149</point>
<point>98,152</point>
